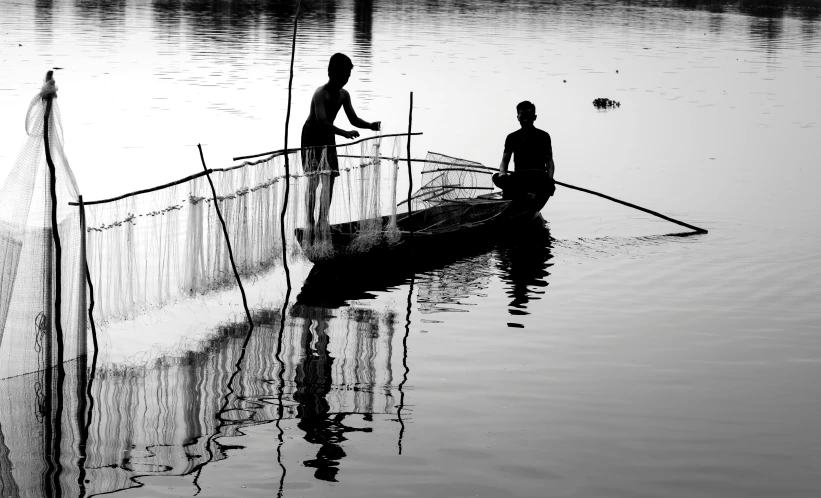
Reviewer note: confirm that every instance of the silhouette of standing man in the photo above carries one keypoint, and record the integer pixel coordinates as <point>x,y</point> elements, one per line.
<point>319,130</point>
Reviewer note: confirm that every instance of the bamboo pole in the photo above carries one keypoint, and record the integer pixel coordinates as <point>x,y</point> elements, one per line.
<point>87,416</point>
<point>55,436</point>
<point>286,149</point>
<point>83,233</point>
<point>284,211</point>
<point>55,234</point>
<point>654,213</point>
<point>410,172</point>
<point>227,242</point>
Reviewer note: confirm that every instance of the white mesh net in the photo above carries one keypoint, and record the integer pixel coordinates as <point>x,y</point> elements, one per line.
<point>28,260</point>
<point>150,249</point>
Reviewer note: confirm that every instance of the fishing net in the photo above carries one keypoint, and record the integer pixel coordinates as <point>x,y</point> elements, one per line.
<point>455,194</point>
<point>28,259</point>
<point>149,249</point>
<point>42,352</point>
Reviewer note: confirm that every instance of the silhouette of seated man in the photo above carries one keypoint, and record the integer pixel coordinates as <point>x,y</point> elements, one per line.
<point>532,153</point>
<point>319,130</point>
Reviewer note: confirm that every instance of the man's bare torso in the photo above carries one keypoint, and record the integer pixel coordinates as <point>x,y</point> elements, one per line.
<point>333,100</point>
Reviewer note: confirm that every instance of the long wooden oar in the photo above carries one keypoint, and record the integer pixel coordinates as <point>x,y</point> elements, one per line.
<point>691,227</point>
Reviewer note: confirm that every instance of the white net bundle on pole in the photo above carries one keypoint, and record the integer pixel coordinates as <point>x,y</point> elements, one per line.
<point>28,327</point>
<point>42,346</point>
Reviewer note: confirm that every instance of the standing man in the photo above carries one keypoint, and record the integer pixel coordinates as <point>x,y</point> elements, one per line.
<point>532,153</point>
<point>319,130</point>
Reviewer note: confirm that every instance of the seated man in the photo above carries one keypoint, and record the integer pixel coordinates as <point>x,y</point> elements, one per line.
<point>532,154</point>
<point>319,130</point>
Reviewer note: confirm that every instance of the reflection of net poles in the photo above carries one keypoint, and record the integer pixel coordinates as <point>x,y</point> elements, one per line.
<point>83,455</point>
<point>407,369</point>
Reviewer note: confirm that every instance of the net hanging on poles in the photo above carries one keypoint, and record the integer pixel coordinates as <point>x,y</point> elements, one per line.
<point>150,249</point>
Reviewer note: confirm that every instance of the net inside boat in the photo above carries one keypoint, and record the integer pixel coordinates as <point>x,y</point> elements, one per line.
<point>454,195</point>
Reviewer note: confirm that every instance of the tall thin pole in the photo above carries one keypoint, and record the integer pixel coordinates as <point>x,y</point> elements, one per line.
<point>83,242</point>
<point>55,235</point>
<point>85,415</point>
<point>58,329</point>
<point>227,243</point>
<point>625,203</point>
<point>287,161</point>
<point>410,175</point>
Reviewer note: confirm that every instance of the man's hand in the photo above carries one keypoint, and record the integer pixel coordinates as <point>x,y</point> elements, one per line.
<point>350,135</point>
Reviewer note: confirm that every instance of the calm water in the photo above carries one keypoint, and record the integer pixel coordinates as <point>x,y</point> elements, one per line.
<point>599,356</point>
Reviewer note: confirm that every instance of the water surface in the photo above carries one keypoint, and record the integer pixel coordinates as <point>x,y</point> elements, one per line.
<point>602,355</point>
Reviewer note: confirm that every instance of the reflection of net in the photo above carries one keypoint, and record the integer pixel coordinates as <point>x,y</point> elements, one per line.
<point>168,418</point>
<point>449,289</point>
<point>450,197</point>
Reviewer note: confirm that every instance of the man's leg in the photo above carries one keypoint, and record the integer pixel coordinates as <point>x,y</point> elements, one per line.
<point>327,197</point>
<point>310,199</point>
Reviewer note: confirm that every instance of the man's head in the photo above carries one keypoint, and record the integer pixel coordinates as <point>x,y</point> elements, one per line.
<point>526,113</point>
<point>339,69</point>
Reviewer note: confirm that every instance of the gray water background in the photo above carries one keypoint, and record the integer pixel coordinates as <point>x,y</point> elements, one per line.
<point>613,361</point>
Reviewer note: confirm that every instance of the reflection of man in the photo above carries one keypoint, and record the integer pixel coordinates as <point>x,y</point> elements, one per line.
<point>532,152</point>
<point>313,378</point>
<point>523,262</point>
<point>319,130</point>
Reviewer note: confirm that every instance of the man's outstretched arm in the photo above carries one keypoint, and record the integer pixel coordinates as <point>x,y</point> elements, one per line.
<point>353,118</point>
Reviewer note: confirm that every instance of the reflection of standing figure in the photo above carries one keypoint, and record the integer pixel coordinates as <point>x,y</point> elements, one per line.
<point>313,378</point>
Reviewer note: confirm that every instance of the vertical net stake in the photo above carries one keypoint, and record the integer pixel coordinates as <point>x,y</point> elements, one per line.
<point>410,175</point>
<point>287,161</point>
<point>88,278</point>
<point>227,242</point>
<point>55,435</point>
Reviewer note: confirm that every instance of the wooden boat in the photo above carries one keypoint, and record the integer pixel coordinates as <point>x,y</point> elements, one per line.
<point>443,226</point>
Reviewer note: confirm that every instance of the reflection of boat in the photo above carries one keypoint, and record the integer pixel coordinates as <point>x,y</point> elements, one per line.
<point>447,211</point>
<point>334,286</point>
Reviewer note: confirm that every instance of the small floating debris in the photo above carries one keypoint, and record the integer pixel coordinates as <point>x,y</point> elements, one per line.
<point>602,103</point>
